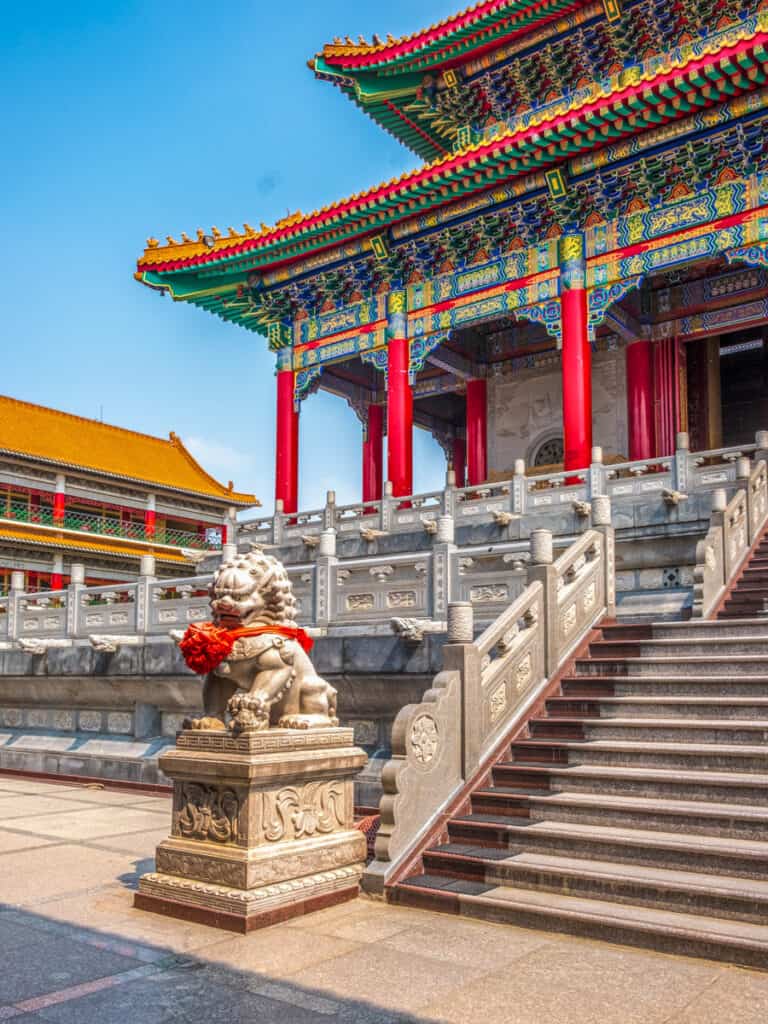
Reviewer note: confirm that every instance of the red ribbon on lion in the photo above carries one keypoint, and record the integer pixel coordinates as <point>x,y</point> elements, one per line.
<point>205,645</point>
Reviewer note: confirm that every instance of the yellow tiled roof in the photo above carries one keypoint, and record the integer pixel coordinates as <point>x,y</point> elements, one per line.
<point>113,546</point>
<point>60,437</point>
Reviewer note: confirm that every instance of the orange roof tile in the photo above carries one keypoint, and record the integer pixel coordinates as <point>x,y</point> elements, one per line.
<point>69,440</point>
<point>113,546</point>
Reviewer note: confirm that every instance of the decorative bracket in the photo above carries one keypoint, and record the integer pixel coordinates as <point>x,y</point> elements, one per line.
<point>753,255</point>
<point>306,382</point>
<point>420,349</point>
<point>545,313</point>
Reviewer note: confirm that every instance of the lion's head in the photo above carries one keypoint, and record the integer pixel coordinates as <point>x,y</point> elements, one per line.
<point>250,590</point>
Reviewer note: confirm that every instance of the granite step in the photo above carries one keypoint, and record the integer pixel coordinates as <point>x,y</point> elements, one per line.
<point>682,649</point>
<point>690,707</point>
<point>644,754</point>
<point>704,627</point>
<point>726,855</point>
<point>736,942</point>
<point>667,815</point>
<point>741,787</point>
<point>722,896</point>
<point>668,685</point>
<point>701,730</point>
<point>711,665</point>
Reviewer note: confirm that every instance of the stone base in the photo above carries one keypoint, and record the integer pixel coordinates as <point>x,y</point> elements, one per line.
<point>262,827</point>
<point>243,910</point>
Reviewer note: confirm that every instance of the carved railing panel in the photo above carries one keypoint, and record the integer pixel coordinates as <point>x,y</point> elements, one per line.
<point>42,614</point>
<point>173,604</point>
<point>377,588</point>
<point>110,609</point>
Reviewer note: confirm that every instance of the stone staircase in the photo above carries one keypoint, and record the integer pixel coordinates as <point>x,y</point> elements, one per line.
<point>635,806</point>
<point>749,594</point>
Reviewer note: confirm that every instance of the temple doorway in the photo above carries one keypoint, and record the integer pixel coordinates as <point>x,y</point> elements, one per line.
<point>727,388</point>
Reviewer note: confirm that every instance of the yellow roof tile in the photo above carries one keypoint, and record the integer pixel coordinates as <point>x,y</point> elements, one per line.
<point>113,546</point>
<point>69,440</point>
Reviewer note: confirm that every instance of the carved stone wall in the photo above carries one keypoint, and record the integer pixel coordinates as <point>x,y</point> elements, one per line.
<point>525,409</point>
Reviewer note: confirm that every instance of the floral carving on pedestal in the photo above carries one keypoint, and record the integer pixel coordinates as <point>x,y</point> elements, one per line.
<point>297,812</point>
<point>424,739</point>
<point>208,812</point>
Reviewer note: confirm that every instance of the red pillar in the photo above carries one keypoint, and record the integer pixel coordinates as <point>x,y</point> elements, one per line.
<point>477,432</point>
<point>149,523</point>
<point>373,435</point>
<point>642,440</point>
<point>459,460</point>
<point>666,387</point>
<point>399,398</point>
<point>59,502</point>
<point>286,444</point>
<point>577,354</point>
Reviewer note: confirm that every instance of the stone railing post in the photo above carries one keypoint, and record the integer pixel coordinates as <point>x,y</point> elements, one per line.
<point>595,480</point>
<point>601,522</point>
<point>76,586</point>
<point>278,522</point>
<point>541,570</point>
<point>449,496</point>
<point>461,654</point>
<point>761,441</point>
<point>682,455</point>
<point>719,525</point>
<point>325,579</point>
<point>519,489</point>
<point>143,590</point>
<point>14,600</point>
<point>329,512</point>
<point>385,515</point>
<point>443,556</point>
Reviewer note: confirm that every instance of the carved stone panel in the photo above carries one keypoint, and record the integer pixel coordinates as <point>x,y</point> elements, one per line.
<point>207,812</point>
<point>298,812</point>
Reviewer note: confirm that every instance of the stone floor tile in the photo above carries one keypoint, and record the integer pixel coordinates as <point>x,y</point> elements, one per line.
<point>11,842</point>
<point>48,964</point>
<point>90,823</point>
<point>392,980</point>
<point>579,982</point>
<point>13,807</point>
<point>359,920</point>
<point>735,997</point>
<point>453,939</point>
<point>177,996</point>
<point>33,875</point>
<point>143,844</point>
<point>276,951</point>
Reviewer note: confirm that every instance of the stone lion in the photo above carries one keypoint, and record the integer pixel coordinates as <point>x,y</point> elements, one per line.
<point>267,679</point>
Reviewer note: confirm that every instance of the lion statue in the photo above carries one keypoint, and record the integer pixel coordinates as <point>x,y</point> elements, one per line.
<point>254,657</point>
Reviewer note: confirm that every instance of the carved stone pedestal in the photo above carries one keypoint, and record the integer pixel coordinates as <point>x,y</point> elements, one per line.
<point>262,827</point>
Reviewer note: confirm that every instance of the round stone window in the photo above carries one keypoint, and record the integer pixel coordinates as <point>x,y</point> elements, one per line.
<point>550,453</point>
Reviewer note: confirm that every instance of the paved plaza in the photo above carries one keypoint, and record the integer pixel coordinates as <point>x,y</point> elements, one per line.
<point>74,951</point>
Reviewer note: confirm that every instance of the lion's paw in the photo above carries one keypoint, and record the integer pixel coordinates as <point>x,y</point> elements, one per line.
<point>293,722</point>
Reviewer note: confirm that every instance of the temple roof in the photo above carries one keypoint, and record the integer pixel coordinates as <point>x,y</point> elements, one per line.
<point>385,77</point>
<point>642,96</point>
<point>114,546</point>
<point>75,441</point>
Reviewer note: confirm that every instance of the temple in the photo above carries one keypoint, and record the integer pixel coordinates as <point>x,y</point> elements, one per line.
<point>580,262</point>
<point>79,491</point>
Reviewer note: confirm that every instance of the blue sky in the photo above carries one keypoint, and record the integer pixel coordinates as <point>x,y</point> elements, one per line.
<point>127,119</point>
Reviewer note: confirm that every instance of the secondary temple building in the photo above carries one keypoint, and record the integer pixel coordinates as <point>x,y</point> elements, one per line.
<point>75,491</point>
<point>581,259</point>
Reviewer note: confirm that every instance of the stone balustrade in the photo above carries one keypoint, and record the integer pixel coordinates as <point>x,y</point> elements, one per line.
<point>487,685</point>
<point>734,526</point>
<point>639,491</point>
